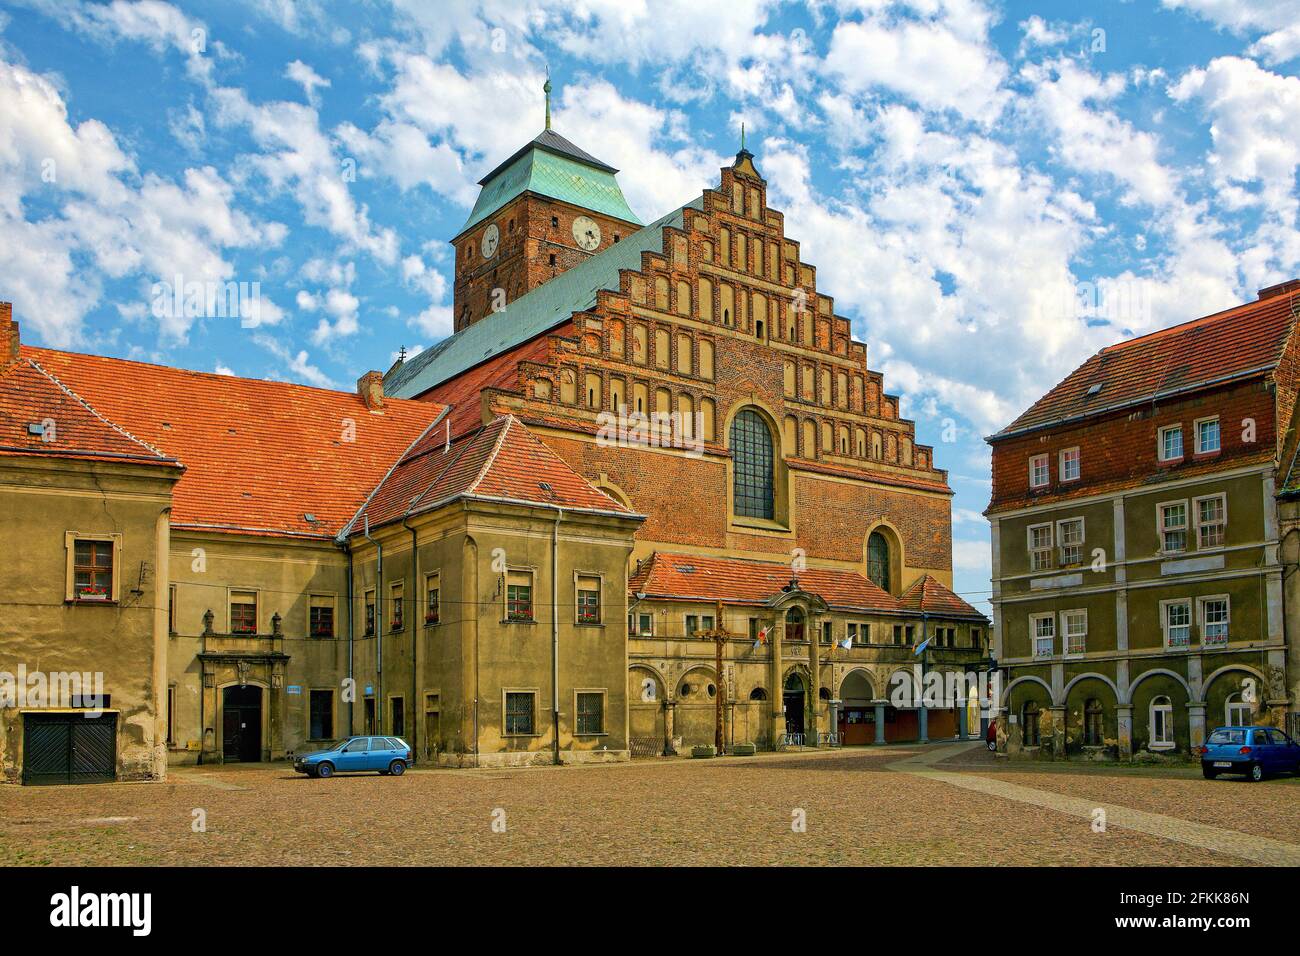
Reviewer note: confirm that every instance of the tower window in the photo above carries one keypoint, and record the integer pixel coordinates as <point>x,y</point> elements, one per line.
<point>555,222</point>
<point>751,449</point>
<point>552,258</point>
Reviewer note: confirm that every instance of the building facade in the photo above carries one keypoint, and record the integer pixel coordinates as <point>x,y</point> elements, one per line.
<point>1138,575</point>
<point>645,448</point>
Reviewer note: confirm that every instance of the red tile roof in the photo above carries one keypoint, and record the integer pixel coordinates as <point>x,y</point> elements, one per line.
<point>1246,340</point>
<point>501,461</point>
<point>742,581</point>
<point>929,596</point>
<point>70,426</point>
<point>258,455</point>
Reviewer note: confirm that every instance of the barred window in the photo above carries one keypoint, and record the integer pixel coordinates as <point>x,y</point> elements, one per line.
<point>751,448</point>
<point>519,713</point>
<point>591,713</point>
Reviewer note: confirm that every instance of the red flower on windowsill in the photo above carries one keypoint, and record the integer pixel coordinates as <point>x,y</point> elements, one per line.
<point>431,619</point>
<point>92,592</point>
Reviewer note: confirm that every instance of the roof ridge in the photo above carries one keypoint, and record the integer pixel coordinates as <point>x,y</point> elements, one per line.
<point>214,376</point>
<point>90,408</point>
<point>346,530</point>
<point>1184,326</point>
<point>492,457</point>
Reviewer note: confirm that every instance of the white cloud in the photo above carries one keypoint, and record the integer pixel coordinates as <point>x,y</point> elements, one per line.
<point>307,78</point>
<point>297,364</point>
<point>1275,19</point>
<point>939,63</point>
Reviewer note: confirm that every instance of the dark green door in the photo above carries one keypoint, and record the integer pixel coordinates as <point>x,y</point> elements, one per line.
<point>69,748</point>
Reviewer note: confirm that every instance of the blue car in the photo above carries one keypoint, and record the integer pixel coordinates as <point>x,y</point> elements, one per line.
<point>1253,751</point>
<point>384,755</point>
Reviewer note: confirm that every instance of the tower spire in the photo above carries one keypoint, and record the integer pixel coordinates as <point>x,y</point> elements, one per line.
<point>742,137</point>
<point>546,88</point>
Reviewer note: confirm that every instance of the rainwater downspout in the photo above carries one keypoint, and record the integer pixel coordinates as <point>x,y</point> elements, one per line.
<point>555,632</point>
<point>379,626</point>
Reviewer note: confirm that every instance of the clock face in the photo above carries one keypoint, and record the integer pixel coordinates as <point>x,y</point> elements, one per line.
<point>491,239</point>
<point>586,233</point>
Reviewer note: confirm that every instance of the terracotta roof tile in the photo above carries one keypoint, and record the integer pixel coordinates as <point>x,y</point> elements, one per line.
<point>1247,339</point>
<point>258,455</point>
<point>502,460</point>
<point>70,426</point>
<point>742,581</point>
<point>929,596</point>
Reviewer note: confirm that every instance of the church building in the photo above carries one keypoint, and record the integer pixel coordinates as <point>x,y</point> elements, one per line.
<point>648,496</point>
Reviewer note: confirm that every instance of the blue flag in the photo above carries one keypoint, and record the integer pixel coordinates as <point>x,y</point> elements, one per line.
<point>920,647</point>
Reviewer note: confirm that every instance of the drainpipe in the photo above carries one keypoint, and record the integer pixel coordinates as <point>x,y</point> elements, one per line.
<point>379,627</point>
<point>351,650</point>
<point>555,631</point>
<point>417,628</point>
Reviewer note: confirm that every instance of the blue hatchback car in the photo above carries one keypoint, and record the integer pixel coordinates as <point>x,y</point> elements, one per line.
<point>384,755</point>
<point>1253,751</point>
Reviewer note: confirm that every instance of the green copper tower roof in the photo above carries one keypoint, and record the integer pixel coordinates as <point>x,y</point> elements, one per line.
<point>552,166</point>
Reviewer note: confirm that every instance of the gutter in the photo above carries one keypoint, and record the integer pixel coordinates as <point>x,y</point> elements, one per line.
<point>417,628</point>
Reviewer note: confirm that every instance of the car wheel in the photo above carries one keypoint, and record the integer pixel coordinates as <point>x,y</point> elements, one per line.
<point>1209,772</point>
<point>325,770</point>
<point>1256,773</point>
<point>397,768</point>
<point>993,745</point>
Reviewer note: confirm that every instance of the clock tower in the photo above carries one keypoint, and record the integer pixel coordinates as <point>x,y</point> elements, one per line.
<point>545,209</point>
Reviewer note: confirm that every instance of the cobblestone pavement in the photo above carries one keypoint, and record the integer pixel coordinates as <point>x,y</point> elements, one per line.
<point>875,806</point>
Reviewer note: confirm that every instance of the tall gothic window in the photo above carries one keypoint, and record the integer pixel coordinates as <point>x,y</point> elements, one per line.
<point>878,560</point>
<point>751,449</point>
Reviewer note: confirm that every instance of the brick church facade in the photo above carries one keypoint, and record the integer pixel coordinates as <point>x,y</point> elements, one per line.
<point>646,449</point>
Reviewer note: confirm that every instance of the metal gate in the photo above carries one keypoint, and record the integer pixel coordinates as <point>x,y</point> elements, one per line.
<point>69,748</point>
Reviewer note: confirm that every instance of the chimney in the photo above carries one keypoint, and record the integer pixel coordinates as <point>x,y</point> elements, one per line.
<point>370,387</point>
<point>8,335</point>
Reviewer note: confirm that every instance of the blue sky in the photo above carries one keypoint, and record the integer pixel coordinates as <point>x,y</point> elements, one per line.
<point>991,191</point>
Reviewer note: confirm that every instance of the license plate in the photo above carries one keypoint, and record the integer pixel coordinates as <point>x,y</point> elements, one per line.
<point>1223,763</point>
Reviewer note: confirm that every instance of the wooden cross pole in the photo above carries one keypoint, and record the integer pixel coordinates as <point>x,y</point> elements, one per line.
<point>719,635</point>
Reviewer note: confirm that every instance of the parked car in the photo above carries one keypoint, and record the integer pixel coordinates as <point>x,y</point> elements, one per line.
<point>1253,751</point>
<point>384,755</point>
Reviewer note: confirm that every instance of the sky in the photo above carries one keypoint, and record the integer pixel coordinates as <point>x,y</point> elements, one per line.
<point>991,191</point>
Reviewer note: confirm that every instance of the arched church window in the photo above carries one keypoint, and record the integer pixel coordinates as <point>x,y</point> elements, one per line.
<point>751,449</point>
<point>878,560</point>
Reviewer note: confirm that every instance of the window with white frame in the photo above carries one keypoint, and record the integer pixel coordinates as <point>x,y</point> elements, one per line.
<point>1170,446</point>
<point>1238,713</point>
<point>1043,629</point>
<point>1074,624</point>
<point>1211,519</point>
<point>1177,620</point>
<point>1070,464</point>
<point>1162,723</point>
<point>1173,526</point>
<point>1038,471</point>
<point>1214,620</point>
<point>1069,536</point>
<point>1040,547</point>
<point>1207,435</point>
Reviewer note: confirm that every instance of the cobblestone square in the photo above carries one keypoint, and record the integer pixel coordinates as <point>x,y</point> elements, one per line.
<point>938,805</point>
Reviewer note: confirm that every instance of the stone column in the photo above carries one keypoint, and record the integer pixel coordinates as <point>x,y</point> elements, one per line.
<point>669,707</point>
<point>1058,732</point>
<point>923,717</point>
<point>1196,724</point>
<point>1124,721</point>
<point>834,719</point>
<point>963,718</point>
<point>814,683</point>
<point>880,722</point>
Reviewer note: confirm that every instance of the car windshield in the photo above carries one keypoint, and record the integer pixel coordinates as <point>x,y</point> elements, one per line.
<point>1228,737</point>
